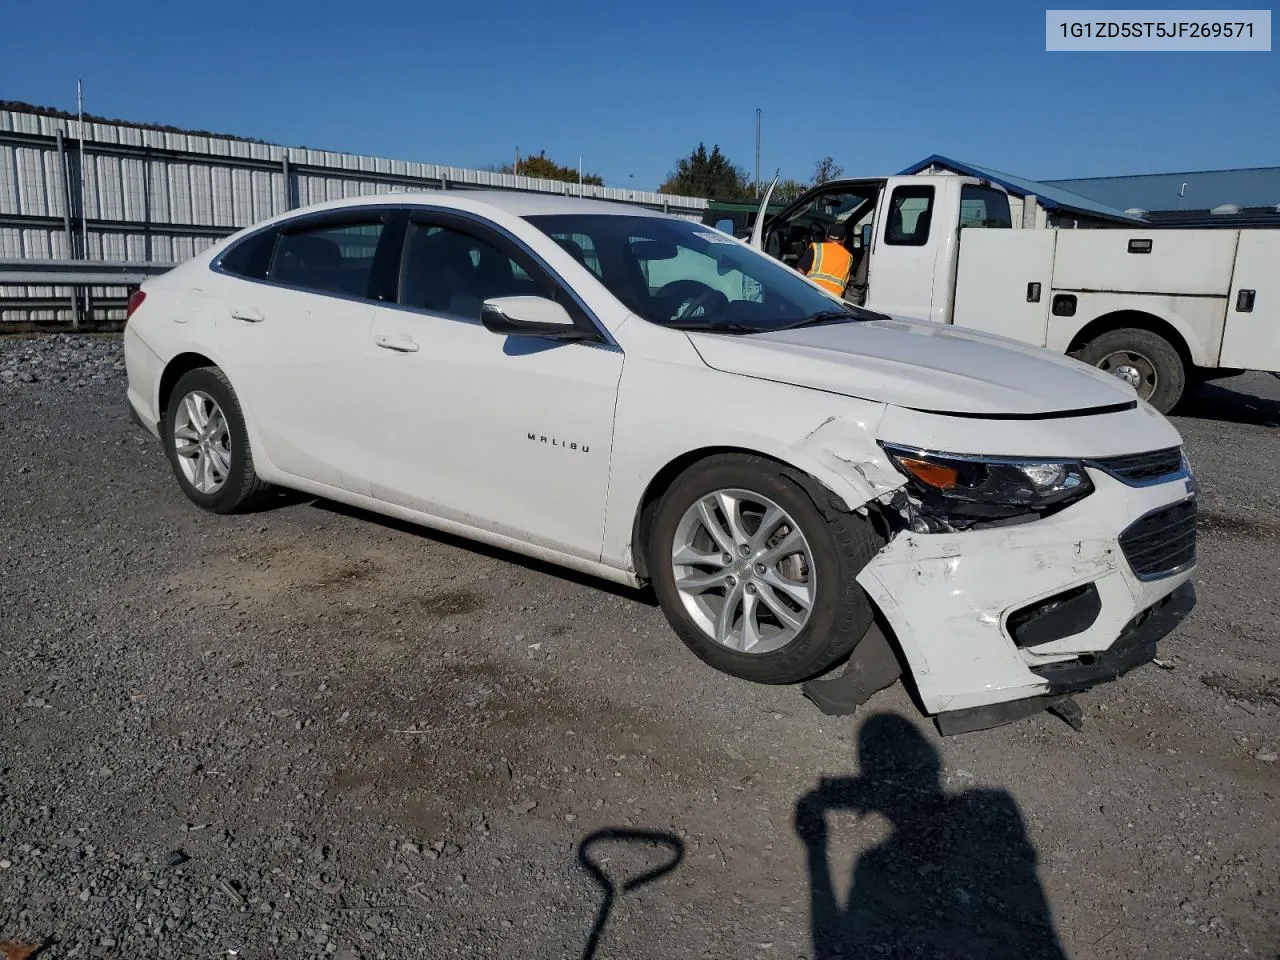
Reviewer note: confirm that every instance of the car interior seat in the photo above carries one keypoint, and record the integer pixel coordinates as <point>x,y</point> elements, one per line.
<point>574,249</point>
<point>922,225</point>
<point>895,233</point>
<point>634,291</point>
<point>856,292</point>
<point>893,229</point>
<point>438,274</point>
<point>303,260</point>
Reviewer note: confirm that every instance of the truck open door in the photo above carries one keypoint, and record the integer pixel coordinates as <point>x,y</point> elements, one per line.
<point>757,229</point>
<point>785,235</point>
<point>1251,338</point>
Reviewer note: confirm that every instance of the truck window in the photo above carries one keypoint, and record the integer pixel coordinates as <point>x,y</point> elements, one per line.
<point>984,207</point>
<point>910,210</point>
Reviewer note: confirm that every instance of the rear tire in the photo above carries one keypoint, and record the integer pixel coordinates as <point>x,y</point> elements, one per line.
<point>208,445</point>
<point>1146,360</point>
<point>788,644</point>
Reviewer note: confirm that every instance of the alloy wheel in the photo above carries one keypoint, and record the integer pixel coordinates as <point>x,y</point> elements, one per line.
<point>744,571</point>
<point>202,442</point>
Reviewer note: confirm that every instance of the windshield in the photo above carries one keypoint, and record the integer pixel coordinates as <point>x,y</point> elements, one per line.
<point>686,275</point>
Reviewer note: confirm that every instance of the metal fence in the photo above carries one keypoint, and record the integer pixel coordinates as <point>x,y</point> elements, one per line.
<point>157,197</point>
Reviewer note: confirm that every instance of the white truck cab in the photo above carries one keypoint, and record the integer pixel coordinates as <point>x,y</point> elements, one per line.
<point>1163,309</point>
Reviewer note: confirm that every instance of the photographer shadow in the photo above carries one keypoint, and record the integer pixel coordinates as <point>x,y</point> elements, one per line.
<point>955,879</point>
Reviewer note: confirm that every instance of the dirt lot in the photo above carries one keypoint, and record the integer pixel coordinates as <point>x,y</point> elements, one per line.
<point>311,733</point>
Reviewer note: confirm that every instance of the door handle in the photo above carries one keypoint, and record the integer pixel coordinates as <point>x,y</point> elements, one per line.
<point>399,344</point>
<point>247,314</point>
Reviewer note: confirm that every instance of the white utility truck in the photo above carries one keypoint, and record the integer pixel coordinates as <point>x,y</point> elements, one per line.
<point>1164,309</point>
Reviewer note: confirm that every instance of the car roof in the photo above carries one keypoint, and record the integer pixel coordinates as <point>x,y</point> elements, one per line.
<point>512,202</point>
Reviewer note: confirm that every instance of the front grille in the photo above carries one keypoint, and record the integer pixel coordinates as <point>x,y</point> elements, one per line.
<point>1140,468</point>
<point>1162,542</point>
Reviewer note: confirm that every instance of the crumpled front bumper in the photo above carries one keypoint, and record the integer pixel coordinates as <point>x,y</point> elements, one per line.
<point>1135,646</point>
<point>949,598</point>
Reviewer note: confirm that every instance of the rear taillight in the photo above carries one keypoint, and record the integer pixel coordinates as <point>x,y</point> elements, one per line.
<point>135,302</point>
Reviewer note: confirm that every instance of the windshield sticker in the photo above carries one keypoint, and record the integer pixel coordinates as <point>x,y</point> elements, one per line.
<point>714,237</point>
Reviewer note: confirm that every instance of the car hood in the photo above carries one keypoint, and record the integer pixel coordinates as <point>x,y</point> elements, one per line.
<point>918,364</point>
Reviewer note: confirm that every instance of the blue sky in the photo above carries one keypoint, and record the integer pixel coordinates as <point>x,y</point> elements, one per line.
<point>633,86</point>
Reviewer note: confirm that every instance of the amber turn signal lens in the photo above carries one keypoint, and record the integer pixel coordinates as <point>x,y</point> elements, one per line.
<point>931,474</point>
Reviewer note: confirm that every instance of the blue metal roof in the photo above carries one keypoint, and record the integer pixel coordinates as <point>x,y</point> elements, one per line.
<point>1203,190</point>
<point>1051,197</point>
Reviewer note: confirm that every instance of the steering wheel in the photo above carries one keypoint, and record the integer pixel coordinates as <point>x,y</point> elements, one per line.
<point>691,294</point>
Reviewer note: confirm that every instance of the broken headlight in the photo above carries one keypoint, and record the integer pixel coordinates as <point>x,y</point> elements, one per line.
<point>950,491</point>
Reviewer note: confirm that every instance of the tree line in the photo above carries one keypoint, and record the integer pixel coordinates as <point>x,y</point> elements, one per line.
<point>544,168</point>
<point>714,176</point>
<point>703,173</point>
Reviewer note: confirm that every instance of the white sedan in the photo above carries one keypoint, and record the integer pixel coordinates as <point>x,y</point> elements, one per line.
<point>652,401</point>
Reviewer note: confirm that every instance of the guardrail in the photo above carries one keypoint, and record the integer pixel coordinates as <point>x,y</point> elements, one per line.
<point>69,273</point>
<point>75,294</point>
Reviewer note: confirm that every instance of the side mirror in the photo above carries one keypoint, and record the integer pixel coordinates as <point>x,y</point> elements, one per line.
<point>866,236</point>
<point>725,226</point>
<point>529,317</point>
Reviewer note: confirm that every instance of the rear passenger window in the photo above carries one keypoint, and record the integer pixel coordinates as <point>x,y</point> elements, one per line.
<point>448,271</point>
<point>251,257</point>
<point>984,207</point>
<point>327,258</point>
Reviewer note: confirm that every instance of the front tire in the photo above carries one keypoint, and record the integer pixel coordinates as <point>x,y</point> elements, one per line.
<point>208,446</point>
<point>752,577</point>
<point>1145,360</point>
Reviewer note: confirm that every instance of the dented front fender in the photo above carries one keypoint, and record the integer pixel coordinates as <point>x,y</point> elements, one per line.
<point>850,461</point>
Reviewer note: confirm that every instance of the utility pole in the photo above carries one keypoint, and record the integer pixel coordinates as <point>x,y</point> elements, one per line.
<point>757,151</point>
<point>516,169</point>
<point>84,200</point>
<point>579,174</point>
<point>84,210</point>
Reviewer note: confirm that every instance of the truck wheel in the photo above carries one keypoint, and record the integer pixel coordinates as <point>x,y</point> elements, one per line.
<point>754,580</point>
<point>1145,360</point>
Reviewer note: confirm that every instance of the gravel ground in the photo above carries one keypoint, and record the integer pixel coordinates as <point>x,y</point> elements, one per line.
<point>312,733</point>
<point>72,361</point>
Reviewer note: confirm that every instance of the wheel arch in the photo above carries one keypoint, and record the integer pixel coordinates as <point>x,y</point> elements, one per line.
<point>193,357</point>
<point>1166,327</point>
<point>827,500</point>
<point>182,363</point>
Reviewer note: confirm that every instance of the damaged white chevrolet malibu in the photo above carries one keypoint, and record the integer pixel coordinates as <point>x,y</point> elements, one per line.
<point>804,483</point>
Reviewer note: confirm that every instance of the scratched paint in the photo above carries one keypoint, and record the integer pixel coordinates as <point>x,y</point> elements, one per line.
<point>840,446</point>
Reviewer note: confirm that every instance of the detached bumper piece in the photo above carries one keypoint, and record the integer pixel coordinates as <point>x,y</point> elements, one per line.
<point>1135,646</point>
<point>871,667</point>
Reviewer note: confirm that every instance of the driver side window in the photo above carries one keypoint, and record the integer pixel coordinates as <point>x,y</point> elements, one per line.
<point>444,270</point>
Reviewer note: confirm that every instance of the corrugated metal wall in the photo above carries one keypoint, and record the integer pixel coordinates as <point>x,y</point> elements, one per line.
<point>159,196</point>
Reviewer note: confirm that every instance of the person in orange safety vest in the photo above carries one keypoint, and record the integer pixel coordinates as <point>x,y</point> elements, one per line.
<point>828,262</point>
